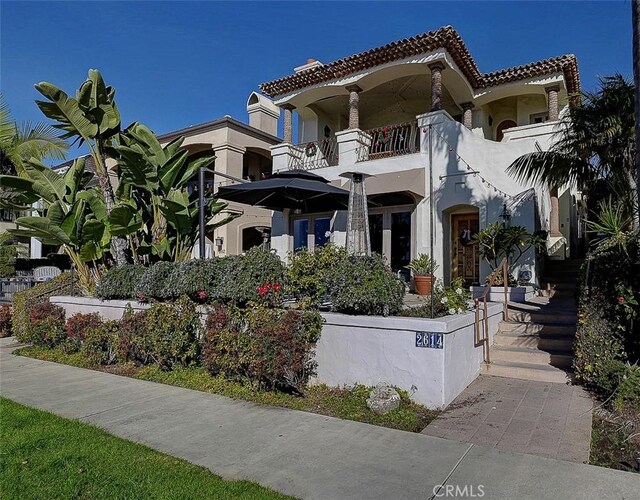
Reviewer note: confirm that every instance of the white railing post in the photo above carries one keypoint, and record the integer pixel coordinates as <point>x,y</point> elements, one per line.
<point>353,146</point>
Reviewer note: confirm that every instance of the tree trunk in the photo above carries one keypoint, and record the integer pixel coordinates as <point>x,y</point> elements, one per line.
<point>118,243</point>
<point>635,16</point>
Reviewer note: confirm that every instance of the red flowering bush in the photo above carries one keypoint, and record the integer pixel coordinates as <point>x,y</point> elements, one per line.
<point>131,344</point>
<point>272,348</point>
<point>270,293</point>
<point>78,324</point>
<point>5,320</point>
<point>46,325</point>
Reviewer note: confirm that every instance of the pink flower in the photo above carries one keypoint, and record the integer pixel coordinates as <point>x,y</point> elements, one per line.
<point>202,295</point>
<point>142,297</point>
<point>277,287</point>
<point>621,299</point>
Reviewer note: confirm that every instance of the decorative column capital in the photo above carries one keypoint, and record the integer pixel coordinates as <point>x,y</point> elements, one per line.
<point>552,88</point>
<point>436,66</point>
<point>466,106</point>
<point>353,88</point>
<point>288,107</point>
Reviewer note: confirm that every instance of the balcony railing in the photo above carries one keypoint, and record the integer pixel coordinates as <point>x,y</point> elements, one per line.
<point>317,154</point>
<point>392,140</point>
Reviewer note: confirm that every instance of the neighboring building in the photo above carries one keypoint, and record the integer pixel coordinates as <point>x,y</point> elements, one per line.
<point>379,112</point>
<point>242,151</point>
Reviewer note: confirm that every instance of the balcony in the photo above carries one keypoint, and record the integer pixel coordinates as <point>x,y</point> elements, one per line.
<point>312,155</point>
<point>391,140</point>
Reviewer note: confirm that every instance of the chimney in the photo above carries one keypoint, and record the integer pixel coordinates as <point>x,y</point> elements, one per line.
<point>311,63</point>
<point>263,114</point>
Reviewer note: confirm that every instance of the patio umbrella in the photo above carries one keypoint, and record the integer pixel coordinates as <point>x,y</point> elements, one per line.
<point>295,189</point>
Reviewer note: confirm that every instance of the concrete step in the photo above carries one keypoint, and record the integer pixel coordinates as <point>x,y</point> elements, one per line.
<point>563,265</point>
<point>559,278</point>
<point>542,317</point>
<point>558,286</point>
<point>559,359</point>
<point>551,293</point>
<point>527,371</point>
<point>544,342</point>
<point>513,327</point>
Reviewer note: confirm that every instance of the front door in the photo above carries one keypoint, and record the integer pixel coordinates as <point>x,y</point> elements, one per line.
<point>465,263</point>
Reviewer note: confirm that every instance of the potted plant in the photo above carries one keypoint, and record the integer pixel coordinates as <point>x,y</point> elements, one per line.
<point>423,267</point>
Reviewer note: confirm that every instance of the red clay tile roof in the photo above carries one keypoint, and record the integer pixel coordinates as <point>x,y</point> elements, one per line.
<point>446,38</point>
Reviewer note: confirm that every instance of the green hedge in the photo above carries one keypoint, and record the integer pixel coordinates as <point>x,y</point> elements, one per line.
<point>350,284</point>
<point>228,279</point>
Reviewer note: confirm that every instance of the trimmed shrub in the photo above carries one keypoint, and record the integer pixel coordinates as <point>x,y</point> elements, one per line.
<point>364,285</point>
<point>310,274</point>
<point>272,348</point>
<point>130,341</point>
<point>119,282</point>
<point>155,282</point>
<point>232,279</point>
<point>46,325</point>
<point>100,343</point>
<point>5,320</point>
<point>171,333</point>
<point>351,284</point>
<point>64,284</point>
<point>79,324</point>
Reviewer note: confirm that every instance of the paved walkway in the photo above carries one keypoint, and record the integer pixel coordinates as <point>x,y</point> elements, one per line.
<point>540,418</point>
<point>301,454</point>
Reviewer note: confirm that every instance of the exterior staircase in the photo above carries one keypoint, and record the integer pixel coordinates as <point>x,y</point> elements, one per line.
<point>537,341</point>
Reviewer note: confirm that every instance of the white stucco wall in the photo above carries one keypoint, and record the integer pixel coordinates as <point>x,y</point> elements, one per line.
<point>529,206</point>
<point>369,350</point>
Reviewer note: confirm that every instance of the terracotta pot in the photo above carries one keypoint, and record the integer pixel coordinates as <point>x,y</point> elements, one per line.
<point>423,285</point>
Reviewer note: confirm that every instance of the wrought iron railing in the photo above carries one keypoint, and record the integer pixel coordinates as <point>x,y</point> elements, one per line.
<point>316,154</point>
<point>393,140</point>
<point>482,336</point>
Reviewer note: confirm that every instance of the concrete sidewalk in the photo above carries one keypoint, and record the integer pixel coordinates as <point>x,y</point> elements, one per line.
<point>298,453</point>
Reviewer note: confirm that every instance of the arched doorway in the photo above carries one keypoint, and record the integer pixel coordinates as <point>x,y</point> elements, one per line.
<point>502,127</point>
<point>465,261</point>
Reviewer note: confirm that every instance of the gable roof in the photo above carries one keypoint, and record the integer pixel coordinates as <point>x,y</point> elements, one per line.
<point>443,38</point>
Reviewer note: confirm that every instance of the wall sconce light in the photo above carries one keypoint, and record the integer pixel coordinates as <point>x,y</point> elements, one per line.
<point>219,241</point>
<point>505,216</point>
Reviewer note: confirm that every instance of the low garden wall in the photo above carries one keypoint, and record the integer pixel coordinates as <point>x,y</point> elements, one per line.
<point>432,359</point>
<point>369,350</point>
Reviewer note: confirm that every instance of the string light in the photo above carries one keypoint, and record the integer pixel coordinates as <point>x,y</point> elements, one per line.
<point>470,168</point>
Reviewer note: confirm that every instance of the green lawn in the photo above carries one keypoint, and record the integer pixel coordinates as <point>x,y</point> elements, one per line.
<point>48,457</point>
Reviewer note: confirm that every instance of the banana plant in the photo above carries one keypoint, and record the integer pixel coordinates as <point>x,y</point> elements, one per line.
<point>70,215</point>
<point>154,180</point>
<point>92,117</point>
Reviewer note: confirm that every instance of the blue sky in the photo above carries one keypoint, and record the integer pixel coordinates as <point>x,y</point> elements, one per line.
<point>176,64</point>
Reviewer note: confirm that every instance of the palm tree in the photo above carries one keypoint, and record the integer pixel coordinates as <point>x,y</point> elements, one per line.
<point>21,142</point>
<point>595,148</point>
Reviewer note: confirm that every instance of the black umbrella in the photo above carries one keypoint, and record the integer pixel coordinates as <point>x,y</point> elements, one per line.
<point>295,189</point>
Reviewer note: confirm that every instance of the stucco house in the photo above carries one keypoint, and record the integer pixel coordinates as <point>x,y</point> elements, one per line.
<point>392,112</point>
<point>242,152</point>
